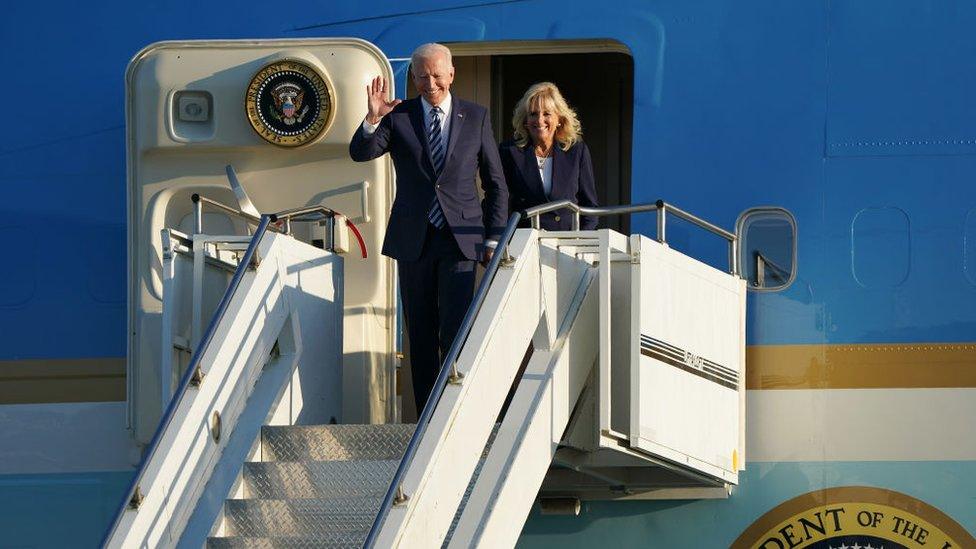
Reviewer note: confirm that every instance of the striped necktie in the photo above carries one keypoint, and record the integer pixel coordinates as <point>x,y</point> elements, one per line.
<point>436,140</point>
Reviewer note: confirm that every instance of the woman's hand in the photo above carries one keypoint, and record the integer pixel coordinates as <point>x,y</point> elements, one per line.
<point>377,105</point>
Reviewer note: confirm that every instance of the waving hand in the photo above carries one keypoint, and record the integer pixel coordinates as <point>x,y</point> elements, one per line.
<point>378,106</point>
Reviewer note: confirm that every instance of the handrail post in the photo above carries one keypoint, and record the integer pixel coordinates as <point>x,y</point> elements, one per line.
<point>508,259</point>
<point>760,270</point>
<point>197,214</point>
<point>733,256</point>
<point>330,229</point>
<point>662,212</point>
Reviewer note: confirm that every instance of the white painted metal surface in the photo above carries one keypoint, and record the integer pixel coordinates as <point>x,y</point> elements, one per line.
<point>296,286</point>
<point>454,441</point>
<point>687,360</point>
<point>536,420</point>
<point>813,425</point>
<point>58,438</point>
<point>668,404</point>
<point>166,165</point>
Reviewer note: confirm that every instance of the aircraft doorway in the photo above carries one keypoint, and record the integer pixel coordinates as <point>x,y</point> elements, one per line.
<point>595,77</point>
<point>598,84</point>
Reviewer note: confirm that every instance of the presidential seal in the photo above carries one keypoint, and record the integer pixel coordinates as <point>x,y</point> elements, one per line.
<point>854,517</point>
<point>289,103</point>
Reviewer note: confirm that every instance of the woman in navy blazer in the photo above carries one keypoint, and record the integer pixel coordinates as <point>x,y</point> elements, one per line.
<point>547,160</point>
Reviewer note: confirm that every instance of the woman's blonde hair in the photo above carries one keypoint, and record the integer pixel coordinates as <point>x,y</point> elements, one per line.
<point>568,131</point>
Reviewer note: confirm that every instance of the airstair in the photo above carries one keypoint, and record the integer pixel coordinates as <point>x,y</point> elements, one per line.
<point>591,365</point>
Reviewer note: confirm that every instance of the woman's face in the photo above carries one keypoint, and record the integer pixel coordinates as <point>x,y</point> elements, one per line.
<point>541,121</point>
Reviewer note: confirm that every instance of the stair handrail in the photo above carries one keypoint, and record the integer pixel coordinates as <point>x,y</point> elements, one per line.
<point>193,376</point>
<point>663,208</point>
<point>448,373</point>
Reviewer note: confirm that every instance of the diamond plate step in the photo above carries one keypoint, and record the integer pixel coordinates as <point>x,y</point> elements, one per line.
<point>318,479</point>
<point>322,487</point>
<point>336,541</point>
<point>334,442</point>
<point>319,518</point>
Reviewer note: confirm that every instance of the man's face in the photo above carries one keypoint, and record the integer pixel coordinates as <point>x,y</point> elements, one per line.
<point>433,77</point>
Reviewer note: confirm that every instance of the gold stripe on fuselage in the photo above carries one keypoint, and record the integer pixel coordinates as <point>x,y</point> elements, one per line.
<point>875,366</point>
<point>62,380</point>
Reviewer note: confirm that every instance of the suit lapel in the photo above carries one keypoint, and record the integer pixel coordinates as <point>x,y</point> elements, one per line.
<point>560,161</point>
<point>458,114</point>
<point>530,172</point>
<point>417,121</point>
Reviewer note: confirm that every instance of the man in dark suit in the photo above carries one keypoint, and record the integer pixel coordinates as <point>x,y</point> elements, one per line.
<point>438,228</point>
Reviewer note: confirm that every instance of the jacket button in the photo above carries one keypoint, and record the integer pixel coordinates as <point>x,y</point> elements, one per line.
<point>438,186</point>
<point>557,218</point>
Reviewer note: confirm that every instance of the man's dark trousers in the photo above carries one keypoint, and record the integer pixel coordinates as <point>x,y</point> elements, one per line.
<point>437,290</point>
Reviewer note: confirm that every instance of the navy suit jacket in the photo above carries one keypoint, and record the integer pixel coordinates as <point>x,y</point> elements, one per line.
<point>470,148</point>
<point>572,179</point>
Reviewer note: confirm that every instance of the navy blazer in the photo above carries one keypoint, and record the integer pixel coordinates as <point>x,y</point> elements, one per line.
<point>572,179</point>
<point>470,149</point>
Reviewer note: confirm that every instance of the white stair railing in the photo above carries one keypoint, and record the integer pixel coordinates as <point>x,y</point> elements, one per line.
<point>532,300</point>
<point>556,293</point>
<point>533,426</point>
<point>435,481</point>
<point>278,278</point>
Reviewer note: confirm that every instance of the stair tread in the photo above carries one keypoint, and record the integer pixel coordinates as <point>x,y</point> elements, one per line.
<point>299,517</point>
<point>340,540</point>
<point>335,442</point>
<point>317,479</point>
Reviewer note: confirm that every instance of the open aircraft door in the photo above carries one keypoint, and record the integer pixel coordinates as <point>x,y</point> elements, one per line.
<point>281,113</point>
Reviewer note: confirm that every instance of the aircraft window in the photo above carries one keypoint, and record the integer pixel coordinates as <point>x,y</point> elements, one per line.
<point>767,248</point>
<point>881,247</point>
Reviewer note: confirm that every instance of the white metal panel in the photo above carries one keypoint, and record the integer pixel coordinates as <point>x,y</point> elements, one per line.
<point>464,418</point>
<point>165,169</point>
<point>816,425</point>
<point>69,437</point>
<point>611,242</point>
<point>686,379</point>
<point>533,427</point>
<point>293,280</point>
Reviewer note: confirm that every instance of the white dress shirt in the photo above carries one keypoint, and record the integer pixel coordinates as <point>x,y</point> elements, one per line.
<point>545,172</point>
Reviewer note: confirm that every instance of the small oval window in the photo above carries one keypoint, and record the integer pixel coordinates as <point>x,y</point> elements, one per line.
<point>767,248</point>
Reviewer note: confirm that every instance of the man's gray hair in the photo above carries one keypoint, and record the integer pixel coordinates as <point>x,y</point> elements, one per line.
<point>430,50</point>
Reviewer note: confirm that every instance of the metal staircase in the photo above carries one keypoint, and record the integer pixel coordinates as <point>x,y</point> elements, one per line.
<point>559,316</point>
<point>316,486</point>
